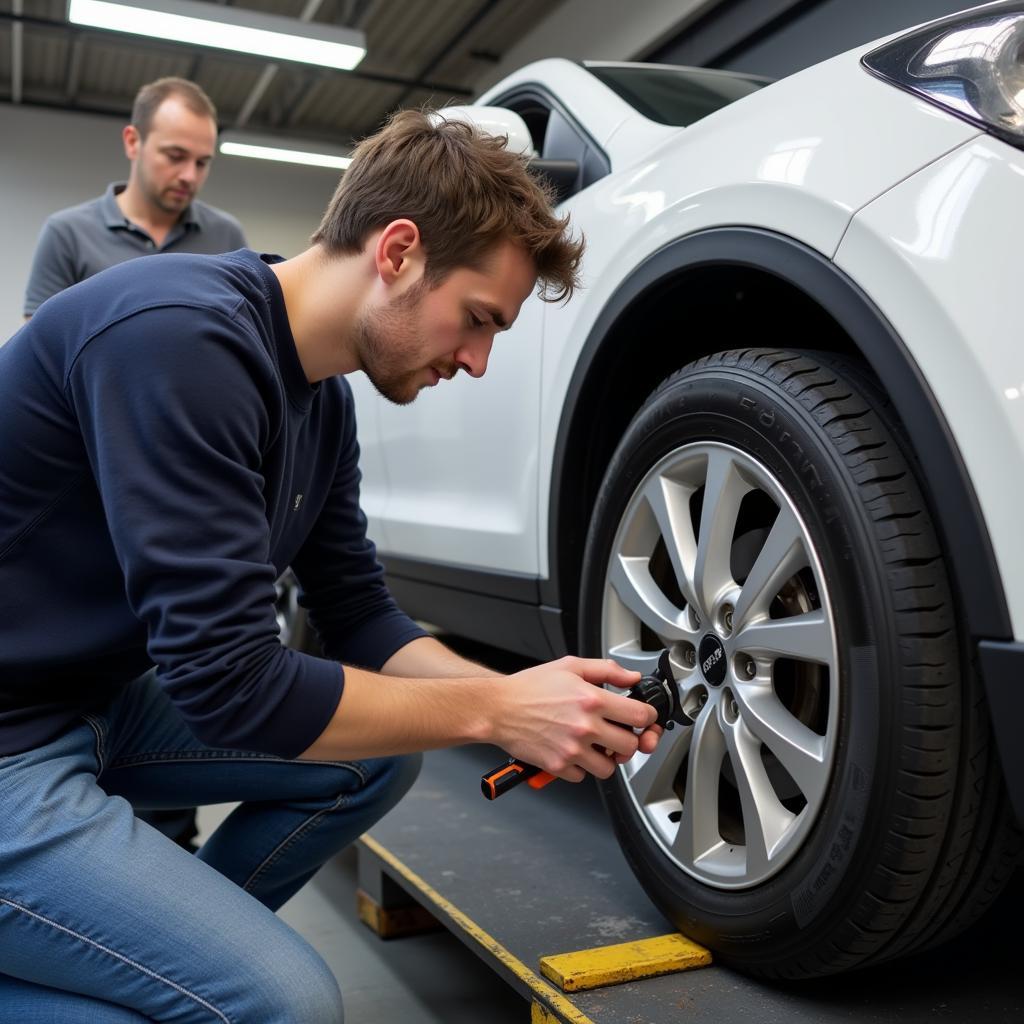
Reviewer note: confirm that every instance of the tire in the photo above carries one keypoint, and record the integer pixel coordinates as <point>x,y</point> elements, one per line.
<point>833,799</point>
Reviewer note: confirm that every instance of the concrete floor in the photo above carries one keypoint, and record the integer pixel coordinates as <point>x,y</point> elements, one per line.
<point>434,979</point>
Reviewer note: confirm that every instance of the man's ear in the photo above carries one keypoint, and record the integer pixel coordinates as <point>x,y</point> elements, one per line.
<point>132,141</point>
<point>398,254</point>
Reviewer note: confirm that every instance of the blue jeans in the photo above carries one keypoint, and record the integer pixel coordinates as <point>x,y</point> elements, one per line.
<point>103,919</point>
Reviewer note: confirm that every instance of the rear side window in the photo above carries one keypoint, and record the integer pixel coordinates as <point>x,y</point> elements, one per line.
<point>676,96</point>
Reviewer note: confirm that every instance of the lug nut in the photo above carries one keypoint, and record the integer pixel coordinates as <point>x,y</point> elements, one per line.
<point>751,669</point>
<point>689,657</point>
<point>734,709</point>
<point>727,618</point>
<point>702,700</point>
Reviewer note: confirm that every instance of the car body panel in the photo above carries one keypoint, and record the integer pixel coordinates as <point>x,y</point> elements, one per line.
<point>373,489</point>
<point>468,464</point>
<point>938,255</point>
<point>460,491</point>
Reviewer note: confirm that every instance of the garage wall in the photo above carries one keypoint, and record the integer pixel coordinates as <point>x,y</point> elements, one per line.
<point>599,30</point>
<point>833,27</point>
<point>780,37</point>
<point>51,159</point>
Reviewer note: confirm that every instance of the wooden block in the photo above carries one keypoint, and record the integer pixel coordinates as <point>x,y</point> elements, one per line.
<point>394,922</point>
<point>627,961</point>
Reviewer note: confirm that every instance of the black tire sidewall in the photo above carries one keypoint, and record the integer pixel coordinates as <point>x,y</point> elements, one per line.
<point>745,409</point>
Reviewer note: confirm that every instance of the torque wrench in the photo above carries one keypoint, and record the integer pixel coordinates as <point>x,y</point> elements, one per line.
<point>659,690</point>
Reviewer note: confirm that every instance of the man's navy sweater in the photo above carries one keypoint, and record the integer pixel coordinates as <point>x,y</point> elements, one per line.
<point>162,460</point>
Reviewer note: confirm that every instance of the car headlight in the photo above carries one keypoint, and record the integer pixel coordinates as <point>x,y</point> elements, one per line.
<point>971,64</point>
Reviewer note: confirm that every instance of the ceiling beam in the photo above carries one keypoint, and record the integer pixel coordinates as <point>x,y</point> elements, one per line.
<point>727,30</point>
<point>74,75</point>
<point>17,53</point>
<point>53,99</point>
<point>480,14</point>
<point>300,100</point>
<point>353,13</point>
<point>296,101</point>
<point>268,74</point>
<point>197,61</point>
<point>72,31</point>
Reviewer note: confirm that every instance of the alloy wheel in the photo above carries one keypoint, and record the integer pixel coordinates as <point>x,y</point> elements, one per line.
<point>712,561</point>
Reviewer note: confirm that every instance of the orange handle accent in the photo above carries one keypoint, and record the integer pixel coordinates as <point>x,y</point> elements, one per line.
<point>492,780</point>
<point>508,775</point>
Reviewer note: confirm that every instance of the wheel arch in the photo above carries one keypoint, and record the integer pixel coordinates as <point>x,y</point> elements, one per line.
<point>736,286</point>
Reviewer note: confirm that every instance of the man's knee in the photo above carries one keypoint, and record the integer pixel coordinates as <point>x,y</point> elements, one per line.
<point>394,776</point>
<point>294,984</point>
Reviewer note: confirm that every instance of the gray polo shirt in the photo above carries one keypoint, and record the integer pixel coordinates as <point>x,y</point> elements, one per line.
<point>83,240</point>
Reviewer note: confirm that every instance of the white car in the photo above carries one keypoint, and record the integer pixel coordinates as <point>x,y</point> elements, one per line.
<point>780,433</point>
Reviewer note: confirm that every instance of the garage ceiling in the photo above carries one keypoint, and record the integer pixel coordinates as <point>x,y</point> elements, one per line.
<point>418,51</point>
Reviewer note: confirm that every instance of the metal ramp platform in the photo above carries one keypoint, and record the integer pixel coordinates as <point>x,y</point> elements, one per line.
<point>538,873</point>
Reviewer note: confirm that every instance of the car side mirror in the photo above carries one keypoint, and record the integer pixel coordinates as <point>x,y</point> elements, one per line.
<point>494,121</point>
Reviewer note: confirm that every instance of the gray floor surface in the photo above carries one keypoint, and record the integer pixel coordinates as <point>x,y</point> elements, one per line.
<point>430,979</point>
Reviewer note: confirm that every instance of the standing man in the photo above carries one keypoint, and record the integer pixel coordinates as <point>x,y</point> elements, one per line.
<point>170,143</point>
<point>173,433</point>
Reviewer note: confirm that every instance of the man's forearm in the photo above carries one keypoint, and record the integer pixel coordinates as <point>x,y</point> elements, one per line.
<point>384,714</point>
<point>424,697</point>
<point>428,658</point>
<point>557,716</point>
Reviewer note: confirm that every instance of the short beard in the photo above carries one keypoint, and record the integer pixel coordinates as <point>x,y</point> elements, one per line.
<point>386,347</point>
<point>157,198</point>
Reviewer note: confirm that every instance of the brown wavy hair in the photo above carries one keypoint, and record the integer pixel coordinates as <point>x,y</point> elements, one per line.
<point>465,192</point>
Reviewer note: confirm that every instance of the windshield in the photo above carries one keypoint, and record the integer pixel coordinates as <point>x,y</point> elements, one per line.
<point>676,96</point>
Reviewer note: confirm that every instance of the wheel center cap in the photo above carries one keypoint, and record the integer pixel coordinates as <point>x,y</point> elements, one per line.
<point>712,659</point>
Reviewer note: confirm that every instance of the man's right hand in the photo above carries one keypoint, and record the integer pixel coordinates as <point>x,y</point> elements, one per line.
<point>559,717</point>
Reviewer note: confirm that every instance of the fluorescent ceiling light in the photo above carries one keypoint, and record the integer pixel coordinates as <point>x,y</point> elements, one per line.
<point>226,28</point>
<point>284,150</point>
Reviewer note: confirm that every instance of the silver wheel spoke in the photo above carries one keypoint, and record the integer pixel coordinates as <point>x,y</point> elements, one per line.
<point>765,820</point>
<point>630,656</point>
<point>698,827</point>
<point>670,503</point>
<point>652,781</point>
<point>630,576</point>
<point>800,750</point>
<point>806,637</point>
<point>782,555</point>
<point>723,493</point>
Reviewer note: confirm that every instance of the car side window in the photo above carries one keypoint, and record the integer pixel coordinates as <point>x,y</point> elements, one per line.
<point>536,115</point>
<point>556,137</point>
<point>562,141</point>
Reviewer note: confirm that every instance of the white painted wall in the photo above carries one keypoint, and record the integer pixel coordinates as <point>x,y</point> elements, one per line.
<point>52,159</point>
<point>598,30</point>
